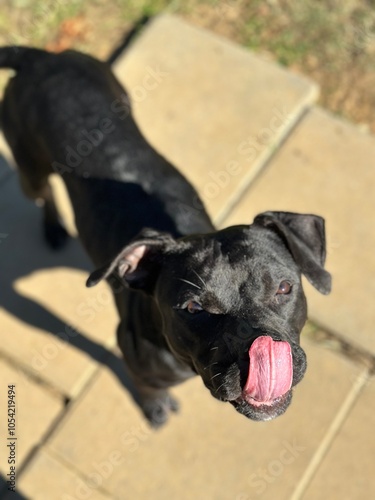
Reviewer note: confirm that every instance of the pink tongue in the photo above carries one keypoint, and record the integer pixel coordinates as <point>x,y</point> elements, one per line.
<point>271,369</point>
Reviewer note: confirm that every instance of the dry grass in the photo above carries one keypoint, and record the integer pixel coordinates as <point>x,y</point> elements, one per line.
<point>331,41</point>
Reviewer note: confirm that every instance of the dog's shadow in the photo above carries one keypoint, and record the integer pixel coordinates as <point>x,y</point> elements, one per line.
<point>24,252</point>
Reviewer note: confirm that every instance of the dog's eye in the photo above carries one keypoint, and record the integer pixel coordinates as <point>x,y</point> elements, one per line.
<point>284,288</point>
<point>193,307</point>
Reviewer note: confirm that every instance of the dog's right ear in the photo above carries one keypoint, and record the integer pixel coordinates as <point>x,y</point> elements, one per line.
<point>138,264</point>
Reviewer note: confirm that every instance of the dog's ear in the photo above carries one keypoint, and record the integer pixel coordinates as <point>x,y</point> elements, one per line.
<point>138,263</point>
<point>304,235</point>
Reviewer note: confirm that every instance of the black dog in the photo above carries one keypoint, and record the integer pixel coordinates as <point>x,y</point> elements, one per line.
<point>227,305</point>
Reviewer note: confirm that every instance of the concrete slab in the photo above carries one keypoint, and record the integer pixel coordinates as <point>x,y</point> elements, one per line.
<point>326,167</point>
<point>44,295</point>
<point>212,108</point>
<point>36,410</point>
<point>47,478</point>
<point>348,469</point>
<point>208,450</point>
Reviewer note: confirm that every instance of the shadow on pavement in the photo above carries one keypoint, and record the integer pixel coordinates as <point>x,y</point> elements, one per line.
<point>9,494</point>
<point>23,252</point>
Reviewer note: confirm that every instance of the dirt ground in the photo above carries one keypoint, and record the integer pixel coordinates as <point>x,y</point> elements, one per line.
<point>331,41</point>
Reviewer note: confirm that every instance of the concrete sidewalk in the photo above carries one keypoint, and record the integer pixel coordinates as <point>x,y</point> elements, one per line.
<point>248,135</point>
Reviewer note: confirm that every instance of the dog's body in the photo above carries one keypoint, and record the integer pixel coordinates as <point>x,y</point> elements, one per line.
<point>200,301</point>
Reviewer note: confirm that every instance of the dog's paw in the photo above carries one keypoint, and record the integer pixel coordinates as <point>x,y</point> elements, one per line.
<point>55,235</point>
<point>173,404</point>
<point>157,415</point>
<point>157,410</point>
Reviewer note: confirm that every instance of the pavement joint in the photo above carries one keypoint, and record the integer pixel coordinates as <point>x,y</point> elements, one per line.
<point>68,402</point>
<point>68,465</point>
<point>265,158</point>
<point>31,375</point>
<point>334,342</point>
<point>325,444</point>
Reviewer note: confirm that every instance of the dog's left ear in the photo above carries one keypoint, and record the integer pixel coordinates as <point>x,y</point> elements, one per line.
<point>304,235</point>
<point>138,263</point>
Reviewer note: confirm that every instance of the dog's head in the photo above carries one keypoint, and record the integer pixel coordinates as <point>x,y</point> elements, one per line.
<point>232,303</point>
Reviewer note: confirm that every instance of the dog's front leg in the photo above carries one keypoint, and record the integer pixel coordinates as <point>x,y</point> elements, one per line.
<point>150,370</point>
<point>37,187</point>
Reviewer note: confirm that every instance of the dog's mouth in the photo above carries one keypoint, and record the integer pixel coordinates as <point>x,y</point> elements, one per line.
<point>267,392</point>
<point>262,411</point>
<point>270,371</point>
